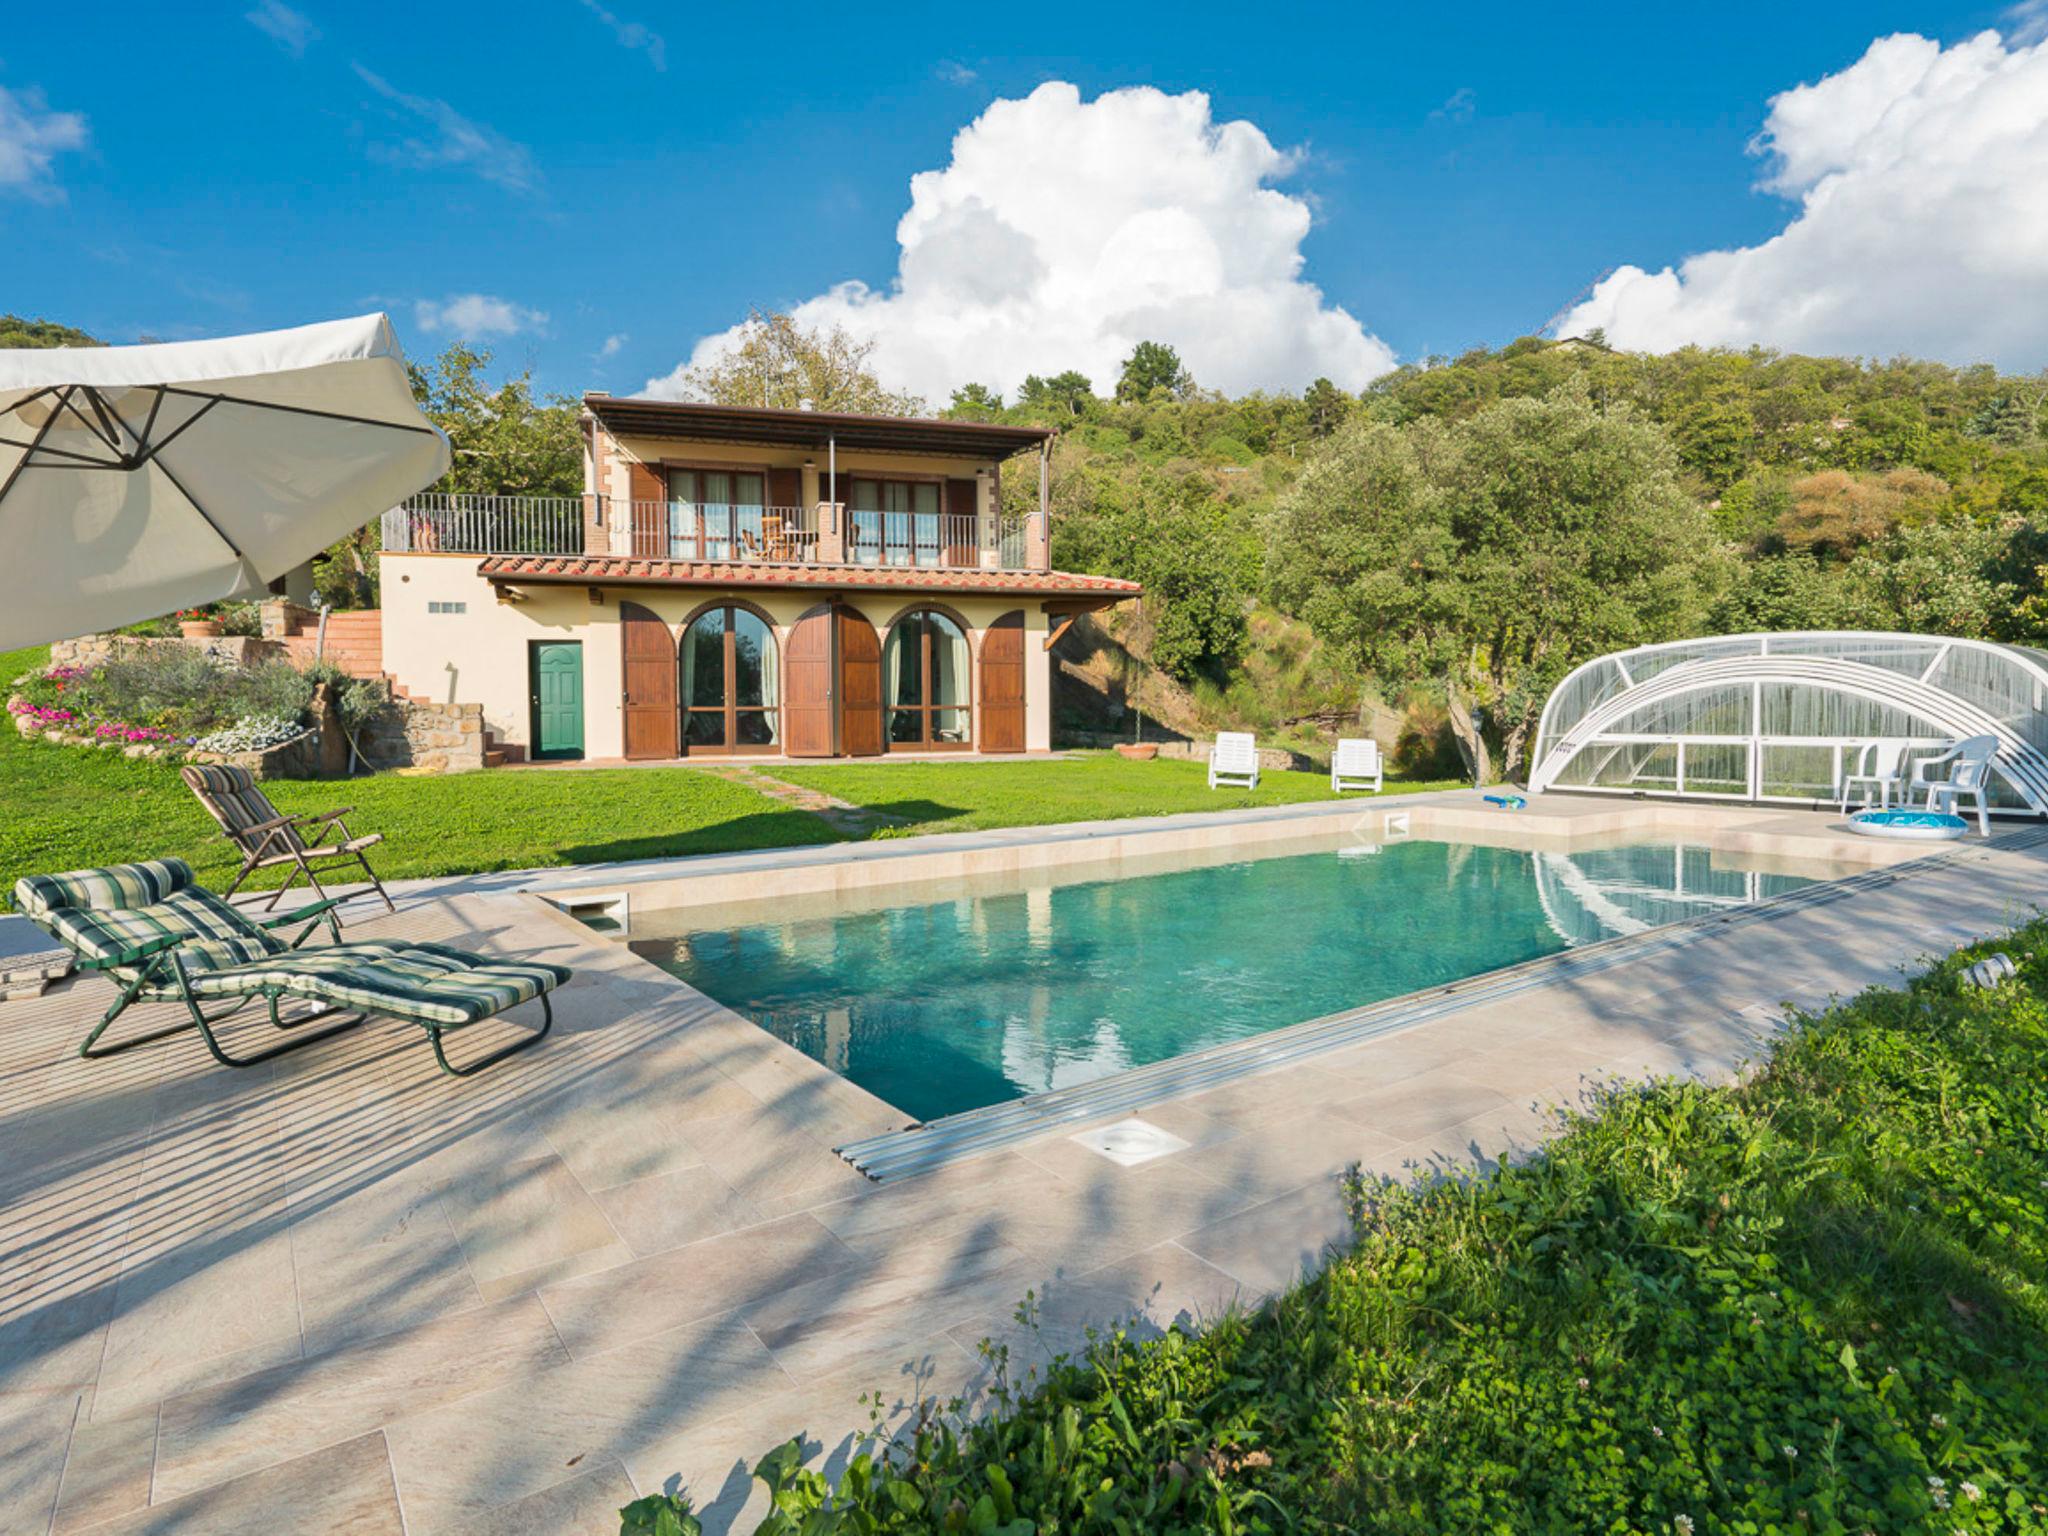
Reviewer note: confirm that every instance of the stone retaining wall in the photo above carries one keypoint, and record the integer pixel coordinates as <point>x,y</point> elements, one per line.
<point>1275,758</point>
<point>421,737</point>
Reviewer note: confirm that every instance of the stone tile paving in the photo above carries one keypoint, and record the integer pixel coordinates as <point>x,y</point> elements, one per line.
<point>345,1286</point>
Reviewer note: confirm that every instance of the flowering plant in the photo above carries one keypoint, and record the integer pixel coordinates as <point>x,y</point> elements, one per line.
<point>251,735</point>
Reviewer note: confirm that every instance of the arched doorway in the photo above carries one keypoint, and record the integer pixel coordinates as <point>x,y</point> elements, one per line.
<point>926,693</point>
<point>1002,684</point>
<point>649,670</point>
<point>834,676</point>
<point>730,682</point>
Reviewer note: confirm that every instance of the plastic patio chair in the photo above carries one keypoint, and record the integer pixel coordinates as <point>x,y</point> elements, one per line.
<point>1880,769</point>
<point>1968,778</point>
<point>266,838</point>
<point>1234,758</point>
<point>1357,765</point>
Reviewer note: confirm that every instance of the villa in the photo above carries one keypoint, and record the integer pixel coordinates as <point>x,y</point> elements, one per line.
<point>744,582</point>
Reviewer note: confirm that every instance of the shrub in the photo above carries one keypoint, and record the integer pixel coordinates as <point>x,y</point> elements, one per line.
<point>252,735</point>
<point>1815,1300</point>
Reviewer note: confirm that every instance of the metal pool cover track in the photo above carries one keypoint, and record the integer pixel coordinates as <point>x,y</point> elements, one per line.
<point>924,1148</point>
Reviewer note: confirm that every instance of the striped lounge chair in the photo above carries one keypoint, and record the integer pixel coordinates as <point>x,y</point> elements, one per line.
<point>266,838</point>
<point>162,938</point>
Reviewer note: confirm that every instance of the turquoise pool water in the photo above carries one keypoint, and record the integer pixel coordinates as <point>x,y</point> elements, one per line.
<point>952,998</point>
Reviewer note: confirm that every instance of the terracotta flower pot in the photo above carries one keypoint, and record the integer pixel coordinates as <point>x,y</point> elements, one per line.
<point>199,629</point>
<point>1138,751</point>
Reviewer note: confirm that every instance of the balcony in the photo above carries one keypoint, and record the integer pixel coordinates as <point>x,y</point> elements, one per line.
<point>825,534</point>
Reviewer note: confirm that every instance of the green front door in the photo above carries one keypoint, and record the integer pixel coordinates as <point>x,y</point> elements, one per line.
<point>557,667</point>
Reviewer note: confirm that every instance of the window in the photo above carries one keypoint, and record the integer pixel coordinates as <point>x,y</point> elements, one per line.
<point>924,682</point>
<point>894,522</point>
<point>731,687</point>
<point>447,607</point>
<point>714,514</point>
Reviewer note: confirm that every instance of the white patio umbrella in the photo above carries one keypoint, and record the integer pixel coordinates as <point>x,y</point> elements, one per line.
<point>138,480</point>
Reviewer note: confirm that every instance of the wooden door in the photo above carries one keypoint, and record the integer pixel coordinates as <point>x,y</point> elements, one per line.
<point>647,513</point>
<point>860,685</point>
<point>1002,684</point>
<point>963,526</point>
<point>557,667</point>
<point>649,652</point>
<point>807,686</point>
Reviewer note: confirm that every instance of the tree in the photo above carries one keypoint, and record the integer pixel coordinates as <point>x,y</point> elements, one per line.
<point>780,363</point>
<point>1835,512</point>
<point>1153,366</point>
<point>1327,407</point>
<point>1490,556</point>
<point>1064,393</point>
<point>975,402</point>
<point>17,331</point>
<point>505,440</point>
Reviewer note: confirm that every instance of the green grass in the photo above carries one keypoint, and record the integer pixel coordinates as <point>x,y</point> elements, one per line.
<point>959,797</point>
<point>70,808</point>
<point>1815,1301</point>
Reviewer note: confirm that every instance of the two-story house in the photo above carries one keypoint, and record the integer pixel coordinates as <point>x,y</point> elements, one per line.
<point>740,581</point>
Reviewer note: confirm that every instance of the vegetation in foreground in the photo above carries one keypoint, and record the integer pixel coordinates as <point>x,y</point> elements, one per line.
<point>1810,1302</point>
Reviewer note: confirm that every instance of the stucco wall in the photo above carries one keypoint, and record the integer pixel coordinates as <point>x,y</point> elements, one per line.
<point>479,656</point>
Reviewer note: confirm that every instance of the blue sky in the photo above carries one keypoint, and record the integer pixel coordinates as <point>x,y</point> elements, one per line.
<point>641,173</point>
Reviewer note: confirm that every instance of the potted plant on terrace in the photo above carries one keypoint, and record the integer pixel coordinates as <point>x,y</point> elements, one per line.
<point>197,624</point>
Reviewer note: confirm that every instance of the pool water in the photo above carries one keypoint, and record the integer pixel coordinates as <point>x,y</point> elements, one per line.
<point>993,991</point>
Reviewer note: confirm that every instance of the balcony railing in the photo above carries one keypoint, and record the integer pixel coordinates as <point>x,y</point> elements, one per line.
<point>722,533</point>
<point>715,531</point>
<point>456,524</point>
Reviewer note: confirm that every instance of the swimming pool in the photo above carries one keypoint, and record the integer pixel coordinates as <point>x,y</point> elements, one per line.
<point>944,999</point>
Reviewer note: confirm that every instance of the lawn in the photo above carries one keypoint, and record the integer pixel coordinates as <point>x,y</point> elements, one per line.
<point>1812,1301</point>
<point>68,808</point>
<point>960,797</point>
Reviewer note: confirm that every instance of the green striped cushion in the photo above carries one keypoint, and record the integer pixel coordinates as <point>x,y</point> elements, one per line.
<point>427,983</point>
<point>116,886</point>
<point>218,935</point>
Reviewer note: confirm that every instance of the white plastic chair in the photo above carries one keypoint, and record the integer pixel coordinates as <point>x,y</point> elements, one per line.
<point>1967,779</point>
<point>1881,770</point>
<point>1357,766</point>
<point>1235,758</point>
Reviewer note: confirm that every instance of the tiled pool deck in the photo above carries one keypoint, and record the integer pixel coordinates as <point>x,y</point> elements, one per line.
<point>344,1293</point>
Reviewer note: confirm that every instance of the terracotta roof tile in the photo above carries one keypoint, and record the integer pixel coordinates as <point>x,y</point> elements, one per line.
<point>702,573</point>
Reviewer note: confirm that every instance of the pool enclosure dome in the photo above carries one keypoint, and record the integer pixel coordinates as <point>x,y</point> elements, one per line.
<point>1779,717</point>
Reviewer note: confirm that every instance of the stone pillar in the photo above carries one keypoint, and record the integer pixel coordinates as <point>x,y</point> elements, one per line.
<point>831,533</point>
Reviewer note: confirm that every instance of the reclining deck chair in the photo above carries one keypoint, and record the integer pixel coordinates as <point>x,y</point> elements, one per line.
<point>1356,764</point>
<point>253,824</point>
<point>162,938</point>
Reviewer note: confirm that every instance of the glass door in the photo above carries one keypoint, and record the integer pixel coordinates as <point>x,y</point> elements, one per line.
<point>715,514</point>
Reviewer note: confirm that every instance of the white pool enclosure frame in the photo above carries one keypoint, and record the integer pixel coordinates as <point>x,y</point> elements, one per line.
<point>1780,717</point>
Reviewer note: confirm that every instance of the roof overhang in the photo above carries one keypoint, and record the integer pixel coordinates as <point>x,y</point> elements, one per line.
<point>1064,591</point>
<point>631,416</point>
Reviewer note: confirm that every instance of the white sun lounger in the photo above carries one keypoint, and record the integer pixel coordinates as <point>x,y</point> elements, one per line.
<point>1234,759</point>
<point>1357,766</point>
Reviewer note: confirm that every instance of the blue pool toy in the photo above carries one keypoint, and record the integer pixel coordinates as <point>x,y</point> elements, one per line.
<point>1912,826</point>
<point>1506,802</point>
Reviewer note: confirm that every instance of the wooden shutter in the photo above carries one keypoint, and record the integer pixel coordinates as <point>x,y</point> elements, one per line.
<point>649,652</point>
<point>807,686</point>
<point>648,513</point>
<point>962,536</point>
<point>1002,684</point>
<point>860,685</point>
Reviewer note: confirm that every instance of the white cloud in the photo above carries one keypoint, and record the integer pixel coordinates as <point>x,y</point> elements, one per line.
<point>291,30</point>
<point>477,316</point>
<point>612,344</point>
<point>953,72</point>
<point>1458,107</point>
<point>1064,232</point>
<point>31,138</point>
<point>2027,22</point>
<point>632,34</point>
<point>454,141</point>
<point>1921,175</point>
